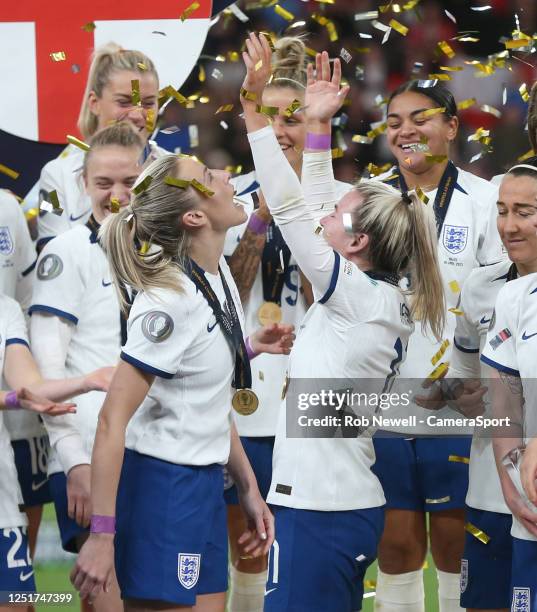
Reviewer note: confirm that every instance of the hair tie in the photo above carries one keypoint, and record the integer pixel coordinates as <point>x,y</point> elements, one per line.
<point>406,198</point>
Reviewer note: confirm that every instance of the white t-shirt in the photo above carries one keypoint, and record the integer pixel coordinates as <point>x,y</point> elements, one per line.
<point>64,174</point>
<point>268,371</point>
<point>356,329</point>
<point>469,238</point>
<point>511,348</point>
<point>185,418</point>
<point>73,282</point>
<point>478,297</point>
<point>12,331</point>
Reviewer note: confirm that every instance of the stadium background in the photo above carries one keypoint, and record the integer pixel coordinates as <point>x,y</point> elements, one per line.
<point>372,70</point>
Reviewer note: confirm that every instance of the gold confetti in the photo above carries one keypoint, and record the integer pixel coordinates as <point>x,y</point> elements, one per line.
<point>486,108</point>
<point>58,56</point>
<point>523,90</point>
<point>201,188</point>
<point>268,37</point>
<point>435,159</point>
<point>78,143</point>
<point>370,584</point>
<point>362,139</point>
<point>135,92</point>
<point>52,204</point>
<point>377,170</point>
<point>459,459</point>
<point>234,169</point>
<point>233,56</point>
<point>421,195</point>
<point>477,533</point>
<point>201,74</point>
<point>479,135</point>
<point>258,65</point>
<point>9,172</point>
<point>328,24</point>
<point>141,66</point>
<point>337,153</point>
<point>366,16</point>
<point>516,44</point>
<point>292,108</point>
<point>454,286</point>
<point>392,177</point>
<point>426,563</point>
<point>89,27</point>
<point>143,185</point>
<point>440,76</point>
<point>452,68</point>
<point>248,95</point>
<point>171,92</point>
<point>144,248</point>
<point>114,205</point>
<point>32,213</point>
<point>224,108</point>
<point>279,10</point>
<point>204,99</point>
<point>438,355</point>
<point>377,130</point>
<point>439,371</point>
<point>526,156</point>
<point>270,111</point>
<point>150,120</point>
<point>456,311</point>
<point>398,27</point>
<point>464,104</point>
<point>431,112</point>
<point>175,182</point>
<point>189,10</point>
<point>445,47</point>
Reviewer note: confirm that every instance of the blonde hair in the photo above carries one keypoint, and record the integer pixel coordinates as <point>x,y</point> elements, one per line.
<point>532,117</point>
<point>120,134</point>
<point>106,60</point>
<point>402,238</point>
<point>289,64</point>
<point>153,217</point>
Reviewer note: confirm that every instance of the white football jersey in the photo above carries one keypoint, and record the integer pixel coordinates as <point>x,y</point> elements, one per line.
<point>268,371</point>
<point>511,347</point>
<point>356,329</point>
<point>64,175</point>
<point>12,331</point>
<point>185,417</point>
<point>73,282</point>
<point>478,297</point>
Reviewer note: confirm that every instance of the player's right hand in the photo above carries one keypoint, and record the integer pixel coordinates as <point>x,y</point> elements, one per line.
<point>93,567</point>
<point>78,494</point>
<point>519,507</point>
<point>528,470</point>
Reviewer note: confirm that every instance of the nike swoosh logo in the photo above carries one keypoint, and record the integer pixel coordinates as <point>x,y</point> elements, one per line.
<point>36,487</point>
<point>270,591</point>
<point>526,337</point>
<point>484,321</point>
<point>23,577</point>
<point>105,284</point>
<point>73,218</point>
<point>209,328</point>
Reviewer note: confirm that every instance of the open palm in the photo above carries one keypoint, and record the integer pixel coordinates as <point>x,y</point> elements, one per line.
<point>324,96</point>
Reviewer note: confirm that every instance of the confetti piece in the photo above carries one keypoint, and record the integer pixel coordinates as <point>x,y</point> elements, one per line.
<point>150,120</point>
<point>170,91</point>
<point>474,158</point>
<point>363,35</point>
<point>9,172</point>
<point>234,169</point>
<point>526,156</point>
<point>516,43</point>
<point>454,286</point>
<point>421,195</point>
<point>270,111</point>
<point>459,459</point>
<point>233,8</point>
<point>175,182</point>
<point>470,39</point>
<point>193,135</point>
<point>189,10</point>
<point>426,83</point>
<point>440,76</point>
<point>217,74</point>
<point>141,66</point>
<point>377,170</point>
<point>378,128</point>
<point>417,67</point>
<point>233,56</point>
<point>452,68</point>
<point>431,112</point>
<point>359,73</point>
<point>279,10</point>
<point>450,16</point>
<point>261,376</point>
<point>142,185</point>
<point>464,104</point>
<point>486,108</point>
<point>58,56</point>
<point>268,37</point>
<point>328,24</point>
<point>172,129</point>
<point>398,27</point>
<point>337,152</point>
<point>370,584</point>
<point>89,27</point>
<point>248,95</point>
<point>32,213</point>
<point>292,108</point>
<point>504,96</point>
<point>114,205</point>
<point>481,8</point>
<point>523,90</point>
<point>224,108</point>
<point>437,373</point>
<point>204,99</point>
<point>456,311</point>
<point>366,16</point>
<point>201,74</point>
<point>438,500</point>
<point>53,203</point>
<point>201,188</point>
<point>435,159</point>
<point>224,125</point>
<point>438,355</point>
<point>446,49</point>
<point>345,55</point>
<point>477,533</point>
<point>144,248</point>
<point>135,92</point>
<point>362,139</point>
<point>78,143</point>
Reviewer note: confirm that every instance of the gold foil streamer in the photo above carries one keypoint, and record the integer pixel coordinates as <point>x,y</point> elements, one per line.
<point>464,104</point>
<point>201,188</point>
<point>114,205</point>
<point>459,459</point>
<point>362,139</point>
<point>370,584</point>
<point>135,92</point>
<point>435,159</point>
<point>258,65</point>
<point>144,248</point>
<point>445,47</point>
<point>477,533</point>
<point>376,131</point>
<point>377,170</point>
<point>150,120</point>
<point>58,56</point>
<point>516,43</point>
<point>279,10</point>
<point>431,112</point>
<point>523,90</point>
<point>171,92</point>
<point>9,172</point>
<point>292,108</point>
<point>31,214</point>
<point>141,66</point>
<point>328,24</point>
<point>143,185</point>
<point>421,195</point>
<point>452,68</point>
<point>454,286</point>
<point>337,153</point>
<point>438,355</point>
<point>366,16</point>
<point>268,37</point>
<point>526,156</point>
<point>398,27</point>
<point>248,95</point>
<point>175,182</point>
<point>234,169</point>
<point>225,108</point>
<point>201,74</point>
<point>269,111</point>
<point>78,143</point>
<point>440,76</point>
<point>189,10</point>
<point>456,311</point>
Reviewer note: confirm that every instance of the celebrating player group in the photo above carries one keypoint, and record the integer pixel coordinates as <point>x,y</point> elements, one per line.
<point>154,354</point>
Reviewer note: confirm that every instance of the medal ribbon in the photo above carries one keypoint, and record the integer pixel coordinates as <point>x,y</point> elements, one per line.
<point>230,325</point>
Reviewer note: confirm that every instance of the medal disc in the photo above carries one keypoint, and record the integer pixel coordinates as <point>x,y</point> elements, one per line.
<point>269,313</point>
<point>245,401</point>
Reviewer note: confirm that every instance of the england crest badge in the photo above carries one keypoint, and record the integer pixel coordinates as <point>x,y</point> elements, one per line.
<point>188,569</point>
<point>521,600</point>
<point>464,574</point>
<point>454,238</point>
<point>6,243</point>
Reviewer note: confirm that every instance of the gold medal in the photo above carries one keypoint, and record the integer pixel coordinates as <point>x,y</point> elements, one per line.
<point>245,401</point>
<point>269,313</point>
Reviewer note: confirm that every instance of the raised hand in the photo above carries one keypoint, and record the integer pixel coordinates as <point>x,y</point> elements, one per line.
<point>275,338</point>
<point>324,94</point>
<point>257,59</point>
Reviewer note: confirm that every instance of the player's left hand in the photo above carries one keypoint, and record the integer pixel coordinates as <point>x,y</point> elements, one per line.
<point>528,470</point>
<point>276,339</point>
<point>93,568</point>
<point>257,539</point>
<point>257,59</point>
<point>324,96</point>
<point>36,403</point>
<point>99,380</point>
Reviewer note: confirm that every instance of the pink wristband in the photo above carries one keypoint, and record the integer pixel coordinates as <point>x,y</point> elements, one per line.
<point>257,225</point>
<point>103,524</point>
<point>11,401</point>
<point>249,350</point>
<point>318,141</point>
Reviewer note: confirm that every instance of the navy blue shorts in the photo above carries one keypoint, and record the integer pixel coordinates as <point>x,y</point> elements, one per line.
<point>318,560</point>
<point>16,571</point>
<point>70,530</point>
<point>31,459</point>
<point>259,453</point>
<point>171,540</point>
<point>524,576</point>
<point>486,568</point>
<point>428,477</point>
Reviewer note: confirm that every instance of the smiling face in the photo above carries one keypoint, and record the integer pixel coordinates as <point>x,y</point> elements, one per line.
<point>517,220</point>
<point>407,127</point>
<point>115,103</point>
<point>290,131</point>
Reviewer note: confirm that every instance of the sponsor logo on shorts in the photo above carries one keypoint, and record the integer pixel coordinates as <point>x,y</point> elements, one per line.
<point>37,485</point>
<point>157,326</point>
<point>49,267</point>
<point>188,569</point>
<point>24,577</point>
<point>6,243</point>
<point>521,600</point>
<point>270,591</point>
<point>464,574</point>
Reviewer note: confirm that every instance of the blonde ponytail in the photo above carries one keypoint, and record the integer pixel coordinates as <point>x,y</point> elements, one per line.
<point>402,238</point>
<point>106,60</point>
<point>289,64</point>
<point>154,218</point>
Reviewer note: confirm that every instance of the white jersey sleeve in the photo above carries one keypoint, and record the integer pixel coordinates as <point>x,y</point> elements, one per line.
<point>465,356</point>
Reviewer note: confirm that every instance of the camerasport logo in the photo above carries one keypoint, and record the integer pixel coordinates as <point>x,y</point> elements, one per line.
<point>46,54</point>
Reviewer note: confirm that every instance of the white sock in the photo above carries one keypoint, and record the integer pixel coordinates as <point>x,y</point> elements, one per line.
<point>247,591</point>
<point>449,592</point>
<point>400,592</point>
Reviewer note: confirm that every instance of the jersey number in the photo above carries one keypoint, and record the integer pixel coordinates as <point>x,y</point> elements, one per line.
<point>291,273</point>
<point>39,453</point>
<point>14,549</point>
